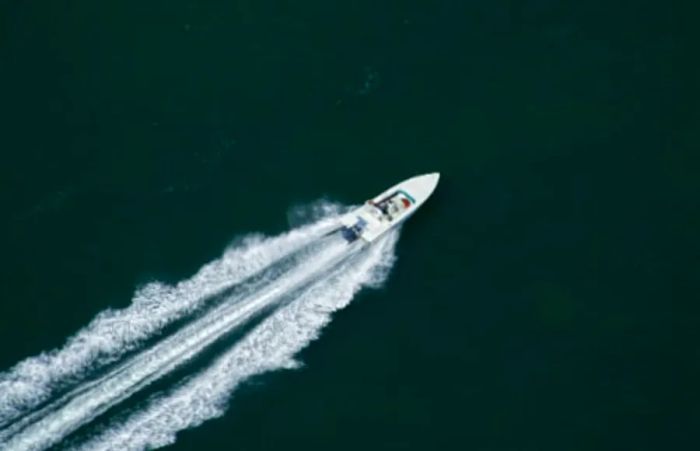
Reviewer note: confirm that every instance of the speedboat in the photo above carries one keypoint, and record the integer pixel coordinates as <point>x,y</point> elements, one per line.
<point>389,209</point>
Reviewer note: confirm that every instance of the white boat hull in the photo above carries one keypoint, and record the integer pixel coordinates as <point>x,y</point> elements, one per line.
<point>390,208</point>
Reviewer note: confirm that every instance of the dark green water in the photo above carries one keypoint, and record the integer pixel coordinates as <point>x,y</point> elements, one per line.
<point>544,299</point>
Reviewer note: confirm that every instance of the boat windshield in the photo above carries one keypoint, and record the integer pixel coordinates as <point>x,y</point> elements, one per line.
<point>393,205</point>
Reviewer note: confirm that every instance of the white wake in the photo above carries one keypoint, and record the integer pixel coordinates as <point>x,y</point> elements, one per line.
<point>27,421</point>
<point>115,332</point>
<point>271,345</point>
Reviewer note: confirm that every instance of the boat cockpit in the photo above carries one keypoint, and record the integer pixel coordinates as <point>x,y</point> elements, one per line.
<point>391,206</point>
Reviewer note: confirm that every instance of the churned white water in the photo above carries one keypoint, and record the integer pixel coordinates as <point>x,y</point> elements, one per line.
<point>317,283</point>
<point>270,346</point>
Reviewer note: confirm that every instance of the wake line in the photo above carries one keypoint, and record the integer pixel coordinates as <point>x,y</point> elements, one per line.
<point>114,333</point>
<point>271,345</point>
<point>162,358</point>
<point>229,296</point>
<point>308,276</point>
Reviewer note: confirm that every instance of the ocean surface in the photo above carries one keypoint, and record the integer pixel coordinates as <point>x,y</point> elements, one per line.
<point>168,169</point>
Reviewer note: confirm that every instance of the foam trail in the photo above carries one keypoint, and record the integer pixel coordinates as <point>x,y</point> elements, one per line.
<point>115,332</point>
<point>44,429</point>
<point>270,346</point>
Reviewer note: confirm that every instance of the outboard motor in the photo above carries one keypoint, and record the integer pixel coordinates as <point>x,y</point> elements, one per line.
<point>352,233</point>
<point>349,234</point>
